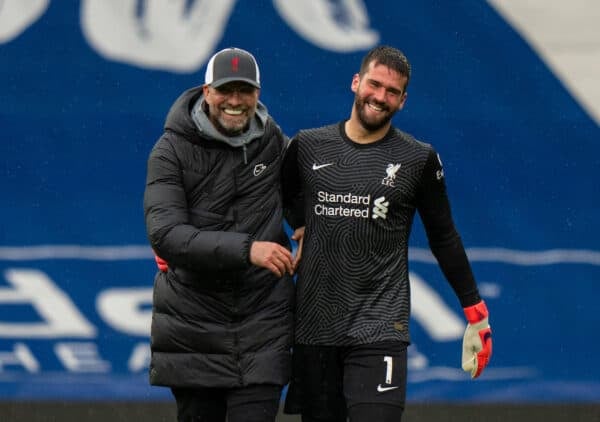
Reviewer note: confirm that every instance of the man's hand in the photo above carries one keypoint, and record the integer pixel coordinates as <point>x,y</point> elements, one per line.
<point>477,341</point>
<point>298,236</point>
<point>272,256</point>
<point>161,263</point>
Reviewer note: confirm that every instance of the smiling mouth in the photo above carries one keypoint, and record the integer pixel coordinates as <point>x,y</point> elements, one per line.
<point>376,108</point>
<point>233,112</point>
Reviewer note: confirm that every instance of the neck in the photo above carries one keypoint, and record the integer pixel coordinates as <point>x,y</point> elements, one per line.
<point>359,134</point>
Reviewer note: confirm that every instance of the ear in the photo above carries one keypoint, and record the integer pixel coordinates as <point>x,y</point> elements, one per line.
<point>355,82</point>
<point>205,90</point>
<point>404,95</point>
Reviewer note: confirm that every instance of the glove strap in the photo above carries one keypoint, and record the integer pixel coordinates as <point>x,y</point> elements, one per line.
<point>476,313</point>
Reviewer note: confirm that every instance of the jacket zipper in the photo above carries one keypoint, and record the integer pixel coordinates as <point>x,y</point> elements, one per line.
<point>236,295</point>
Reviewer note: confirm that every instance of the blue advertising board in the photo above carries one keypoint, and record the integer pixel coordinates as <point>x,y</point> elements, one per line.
<point>84,90</point>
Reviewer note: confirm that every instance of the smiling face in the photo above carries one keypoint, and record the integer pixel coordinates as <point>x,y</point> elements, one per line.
<point>231,106</point>
<point>379,94</point>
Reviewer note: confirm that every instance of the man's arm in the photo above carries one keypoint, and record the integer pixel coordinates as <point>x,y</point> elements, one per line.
<point>445,242</point>
<point>178,243</point>
<point>270,255</point>
<point>171,234</point>
<point>446,245</point>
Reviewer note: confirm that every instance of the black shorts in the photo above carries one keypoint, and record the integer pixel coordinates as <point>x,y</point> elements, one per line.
<point>327,381</point>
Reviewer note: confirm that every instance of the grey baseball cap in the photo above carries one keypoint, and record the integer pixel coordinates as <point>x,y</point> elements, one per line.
<point>232,64</point>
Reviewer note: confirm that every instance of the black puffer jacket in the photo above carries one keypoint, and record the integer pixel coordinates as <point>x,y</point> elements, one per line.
<point>217,320</point>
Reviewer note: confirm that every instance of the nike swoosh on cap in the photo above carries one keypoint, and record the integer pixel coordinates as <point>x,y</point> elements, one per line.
<point>320,166</point>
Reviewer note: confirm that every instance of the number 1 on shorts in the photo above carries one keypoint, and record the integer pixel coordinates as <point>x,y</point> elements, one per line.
<point>388,371</point>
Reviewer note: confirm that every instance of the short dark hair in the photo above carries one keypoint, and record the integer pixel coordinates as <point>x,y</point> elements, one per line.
<point>387,56</point>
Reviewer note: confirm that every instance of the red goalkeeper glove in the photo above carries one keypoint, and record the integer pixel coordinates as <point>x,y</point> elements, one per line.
<point>161,263</point>
<point>477,341</point>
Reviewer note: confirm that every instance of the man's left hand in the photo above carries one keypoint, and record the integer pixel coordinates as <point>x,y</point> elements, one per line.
<point>477,341</point>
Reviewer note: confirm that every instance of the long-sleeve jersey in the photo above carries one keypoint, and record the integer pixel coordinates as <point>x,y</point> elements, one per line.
<point>358,203</point>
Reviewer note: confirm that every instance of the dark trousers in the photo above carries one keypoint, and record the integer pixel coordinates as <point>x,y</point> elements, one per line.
<point>255,403</point>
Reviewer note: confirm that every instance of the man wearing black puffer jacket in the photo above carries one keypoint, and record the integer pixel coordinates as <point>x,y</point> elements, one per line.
<point>223,310</point>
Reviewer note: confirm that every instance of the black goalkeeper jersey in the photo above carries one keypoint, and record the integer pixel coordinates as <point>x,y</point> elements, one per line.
<point>358,203</point>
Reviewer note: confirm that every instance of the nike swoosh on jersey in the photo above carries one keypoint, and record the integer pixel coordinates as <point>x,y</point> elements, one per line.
<point>383,389</point>
<point>320,166</point>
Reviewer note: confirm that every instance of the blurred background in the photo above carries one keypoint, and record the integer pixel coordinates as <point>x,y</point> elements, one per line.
<point>508,92</point>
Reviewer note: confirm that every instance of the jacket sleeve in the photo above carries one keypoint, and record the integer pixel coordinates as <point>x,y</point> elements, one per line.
<point>444,241</point>
<point>169,230</point>
<point>291,185</point>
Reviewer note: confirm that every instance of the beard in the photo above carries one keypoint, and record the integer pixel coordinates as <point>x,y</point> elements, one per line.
<point>369,123</point>
<point>232,128</point>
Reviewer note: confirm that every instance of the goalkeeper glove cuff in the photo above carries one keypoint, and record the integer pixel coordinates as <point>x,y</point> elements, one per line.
<point>161,264</point>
